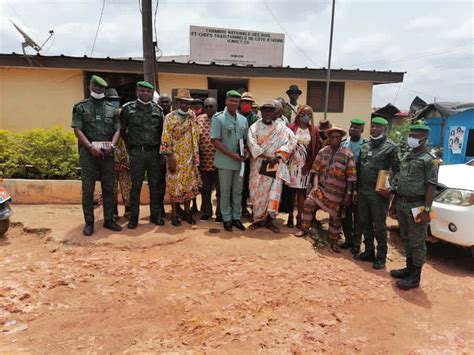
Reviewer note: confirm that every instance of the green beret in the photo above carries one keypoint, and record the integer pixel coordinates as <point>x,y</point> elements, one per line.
<point>99,81</point>
<point>233,93</point>
<point>358,121</point>
<point>145,84</point>
<point>380,121</point>
<point>420,127</point>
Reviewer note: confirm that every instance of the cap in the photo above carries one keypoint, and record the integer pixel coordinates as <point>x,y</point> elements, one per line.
<point>358,121</point>
<point>420,127</point>
<point>99,81</point>
<point>233,93</point>
<point>380,121</point>
<point>145,84</point>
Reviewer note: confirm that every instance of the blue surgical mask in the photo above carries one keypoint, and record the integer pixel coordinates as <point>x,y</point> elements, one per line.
<point>305,118</point>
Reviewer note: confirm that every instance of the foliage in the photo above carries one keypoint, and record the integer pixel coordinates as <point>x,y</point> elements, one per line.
<point>399,135</point>
<point>39,154</point>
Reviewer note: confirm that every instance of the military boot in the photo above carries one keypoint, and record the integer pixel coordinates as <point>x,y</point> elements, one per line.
<point>366,256</point>
<point>88,229</point>
<point>402,273</point>
<point>132,222</point>
<point>110,224</point>
<point>411,281</point>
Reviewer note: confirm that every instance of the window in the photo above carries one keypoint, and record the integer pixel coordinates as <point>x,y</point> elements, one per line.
<point>317,94</point>
<point>470,144</point>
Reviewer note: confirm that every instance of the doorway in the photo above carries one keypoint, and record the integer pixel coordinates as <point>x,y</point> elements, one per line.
<point>224,85</point>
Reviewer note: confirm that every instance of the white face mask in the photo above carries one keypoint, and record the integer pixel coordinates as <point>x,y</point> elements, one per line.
<point>413,142</point>
<point>143,102</point>
<point>97,96</point>
<point>181,112</point>
<point>376,138</point>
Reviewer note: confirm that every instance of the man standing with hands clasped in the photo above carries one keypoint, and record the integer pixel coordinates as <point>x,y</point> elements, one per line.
<point>414,189</point>
<point>96,125</point>
<point>228,129</point>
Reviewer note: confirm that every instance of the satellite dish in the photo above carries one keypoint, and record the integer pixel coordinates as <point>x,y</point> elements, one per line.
<point>29,42</point>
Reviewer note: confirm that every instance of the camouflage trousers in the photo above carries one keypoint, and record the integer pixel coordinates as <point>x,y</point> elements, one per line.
<point>142,162</point>
<point>413,234</point>
<point>373,210</point>
<point>90,169</point>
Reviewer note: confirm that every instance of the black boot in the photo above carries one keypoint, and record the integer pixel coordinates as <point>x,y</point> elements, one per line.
<point>379,264</point>
<point>355,250</point>
<point>157,220</point>
<point>110,224</point>
<point>411,281</point>
<point>133,222</point>
<point>88,229</point>
<point>345,245</point>
<point>366,256</point>
<point>402,273</point>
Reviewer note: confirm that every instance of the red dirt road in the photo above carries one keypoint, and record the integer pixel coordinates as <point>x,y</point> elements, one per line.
<point>166,289</point>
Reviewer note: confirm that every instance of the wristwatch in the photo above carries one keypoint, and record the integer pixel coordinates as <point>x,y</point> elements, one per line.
<point>427,209</point>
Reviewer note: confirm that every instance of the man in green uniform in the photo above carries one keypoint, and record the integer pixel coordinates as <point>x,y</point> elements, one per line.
<point>96,125</point>
<point>378,154</point>
<point>228,130</point>
<point>142,126</point>
<point>351,223</point>
<point>414,187</point>
<point>245,109</point>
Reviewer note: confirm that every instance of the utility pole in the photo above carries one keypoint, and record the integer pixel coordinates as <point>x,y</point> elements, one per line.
<point>328,78</point>
<point>149,59</point>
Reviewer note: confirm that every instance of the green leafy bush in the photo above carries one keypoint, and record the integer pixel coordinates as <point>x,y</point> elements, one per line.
<point>39,154</point>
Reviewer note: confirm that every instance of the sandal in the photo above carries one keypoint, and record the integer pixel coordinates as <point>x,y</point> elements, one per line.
<point>301,234</point>
<point>175,222</point>
<point>335,247</point>
<point>255,225</point>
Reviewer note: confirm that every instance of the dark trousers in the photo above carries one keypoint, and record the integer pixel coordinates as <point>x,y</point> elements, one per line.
<point>142,162</point>
<point>210,180</point>
<point>373,216</point>
<point>90,168</point>
<point>162,185</point>
<point>351,226</point>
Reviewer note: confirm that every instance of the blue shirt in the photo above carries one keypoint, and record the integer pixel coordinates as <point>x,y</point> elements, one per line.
<point>229,130</point>
<point>354,146</point>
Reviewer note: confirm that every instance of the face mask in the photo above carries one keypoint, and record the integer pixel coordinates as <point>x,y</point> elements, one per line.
<point>115,103</point>
<point>376,138</point>
<point>305,118</point>
<point>181,112</point>
<point>414,142</point>
<point>197,111</point>
<point>246,108</point>
<point>97,96</point>
<point>143,102</point>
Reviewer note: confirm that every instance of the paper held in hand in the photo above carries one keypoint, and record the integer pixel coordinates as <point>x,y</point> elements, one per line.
<point>415,211</point>
<point>242,154</point>
<point>102,145</point>
<point>383,180</point>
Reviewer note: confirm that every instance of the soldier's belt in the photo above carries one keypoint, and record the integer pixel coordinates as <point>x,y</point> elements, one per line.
<point>144,148</point>
<point>411,199</point>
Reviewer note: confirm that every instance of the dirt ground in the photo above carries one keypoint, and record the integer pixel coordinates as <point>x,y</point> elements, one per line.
<point>184,290</point>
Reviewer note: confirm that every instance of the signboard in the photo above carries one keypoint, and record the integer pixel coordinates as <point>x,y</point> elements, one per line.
<point>224,45</point>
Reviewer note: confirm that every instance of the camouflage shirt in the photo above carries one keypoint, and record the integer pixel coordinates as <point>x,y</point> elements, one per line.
<point>416,172</point>
<point>143,124</point>
<point>374,156</point>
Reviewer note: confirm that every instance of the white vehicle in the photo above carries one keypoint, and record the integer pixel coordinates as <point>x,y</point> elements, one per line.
<point>454,205</point>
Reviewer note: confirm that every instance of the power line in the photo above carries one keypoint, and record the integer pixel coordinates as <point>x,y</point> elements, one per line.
<point>419,92</point>
<point>98,27</point>
<point>289,36</point>
<point>154,29</point>
<point>421,55</point>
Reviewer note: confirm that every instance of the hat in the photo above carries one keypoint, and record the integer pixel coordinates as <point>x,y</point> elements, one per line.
<point>145,84</point>
<point>197,101</point>
<point>293,89</point>
<point>99,81</point>
<point>380,121</point>
<point>247,96</point>
<point>233,93</point>
<point>111,94</point>
<point>254,105</point>
<point>324,125</point>
<point>335,129</point>
<point>358,121</point>
<point>420,127</point>
<point>184,94</point>
<point>268,103</point>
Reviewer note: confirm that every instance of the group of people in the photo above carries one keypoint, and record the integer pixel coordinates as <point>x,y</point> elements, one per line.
<point>273,161</point>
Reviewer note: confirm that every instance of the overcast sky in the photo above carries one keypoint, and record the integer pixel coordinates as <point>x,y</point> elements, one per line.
<point>430,40</point>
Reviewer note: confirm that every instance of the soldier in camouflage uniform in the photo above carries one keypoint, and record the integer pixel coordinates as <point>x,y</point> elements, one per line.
<point>414,187</point>
<point>379,153</point>
<point>95,120</point>
<point>142,126</point>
